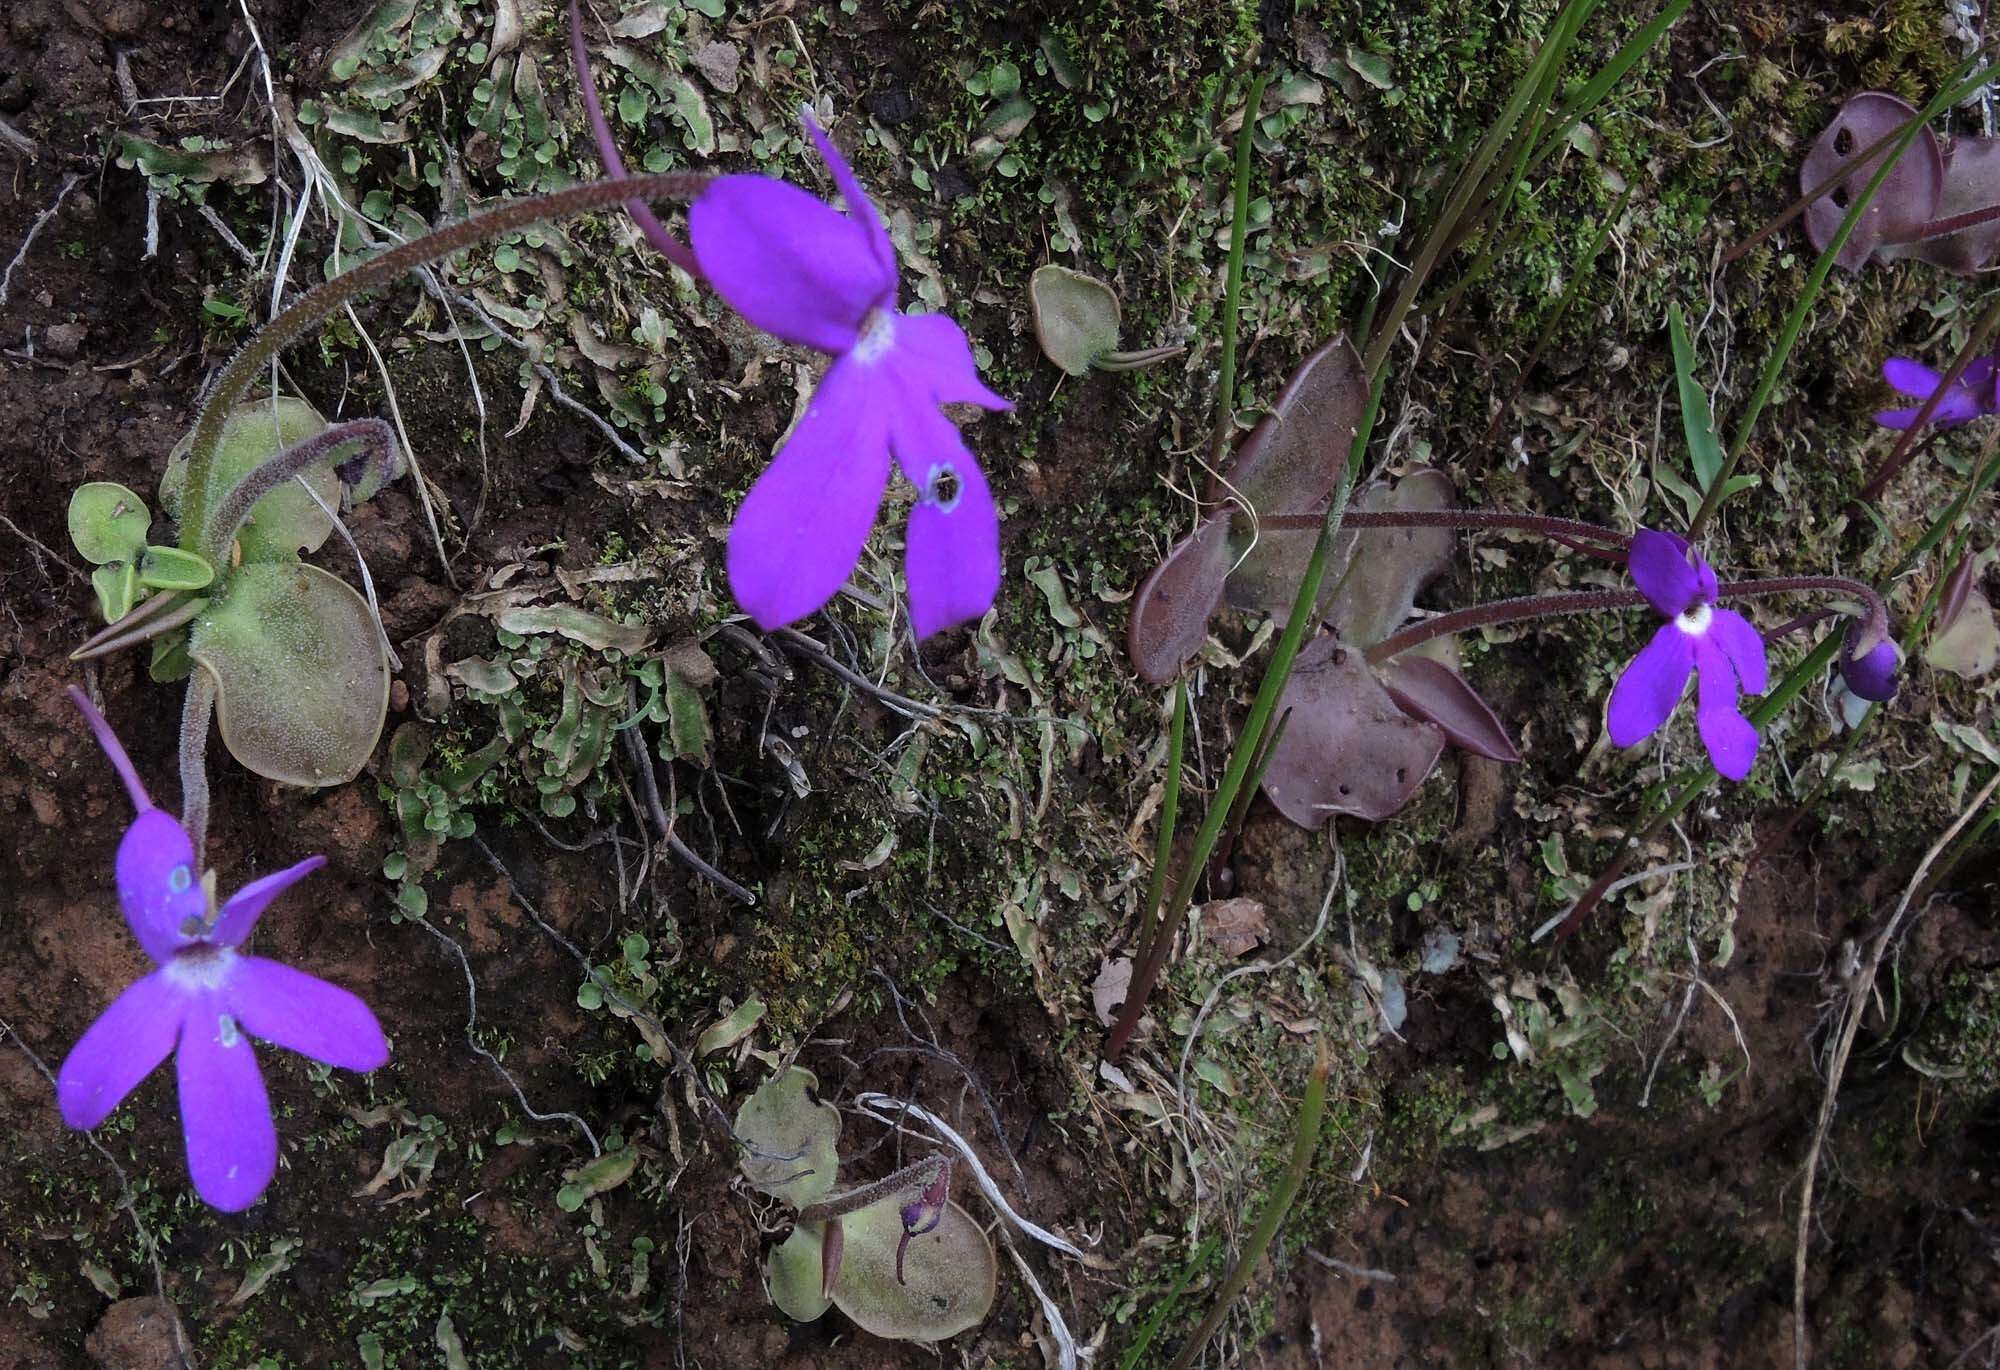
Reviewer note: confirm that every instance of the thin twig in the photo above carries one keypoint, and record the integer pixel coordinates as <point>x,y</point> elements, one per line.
<point>1857,1006</point>
<point>472,1023</point>
<point>40,546</point>
<point>17,140</point>
<point>7,277</point>
<point>797,643</point>
<point>642,762</point>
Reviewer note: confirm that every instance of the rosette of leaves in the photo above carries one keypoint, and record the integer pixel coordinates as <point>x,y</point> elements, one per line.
<point>109,526</point>
<point>897,1256</point>
<point>1940,202</point>
<point>295,655</point>
<point>300,668</point>
<point>1360,736</point>
<point>1077,318</point>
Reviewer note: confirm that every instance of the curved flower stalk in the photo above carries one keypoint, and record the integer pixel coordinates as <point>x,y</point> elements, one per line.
<point>1718,646</point>
<point>809,274</point>
<point>204,1003</point>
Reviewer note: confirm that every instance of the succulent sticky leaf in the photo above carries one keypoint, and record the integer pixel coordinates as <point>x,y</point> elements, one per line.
<point>117,586</point>
<point>1348,748</point>
<point>302,684</point>
<point>285,522</point>
<point>170,568</point>
<point>949,1274</point>
<point>792,1273</point>
<point>1076,317</point>
<point>1170,612</point>
<point>1388,566</point>
<point>108,523</point>
<point>1292,459</point>
<point>791,1138</point>
<point>1971,183</point>
<point>1430,690</point>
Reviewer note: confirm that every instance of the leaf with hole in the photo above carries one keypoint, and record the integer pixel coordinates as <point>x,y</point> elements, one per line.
<point>1348,748</point>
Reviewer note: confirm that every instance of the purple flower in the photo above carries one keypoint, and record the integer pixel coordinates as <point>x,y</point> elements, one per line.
<point>204,1004</point>
<point>797,268</point>
<point>1969,398</point>
<point>1718,645</point>
<point>1870,674</point>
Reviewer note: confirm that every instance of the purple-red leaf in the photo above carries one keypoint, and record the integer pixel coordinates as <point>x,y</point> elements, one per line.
<point>1291,461</point>
<point>1389,566</point>
<point>1971,184</point>
<point>1171,611</point>
<point>1909,197</point>
<point>1435,692</point>
<point>1957,588</point>
<point>1348,748</point>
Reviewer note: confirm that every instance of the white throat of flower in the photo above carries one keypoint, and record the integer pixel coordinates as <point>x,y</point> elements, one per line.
<point>202,967</point>
<point>1694,620</point>
<point>878,335</point>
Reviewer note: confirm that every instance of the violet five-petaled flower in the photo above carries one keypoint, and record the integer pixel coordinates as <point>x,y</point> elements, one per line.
<point>204,1003</point>
<point>1719,646</point>
<point>801,270</point>
<point>1971,396</point>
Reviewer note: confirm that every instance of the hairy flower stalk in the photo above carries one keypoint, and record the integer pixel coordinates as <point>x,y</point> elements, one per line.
<point>323,299</point>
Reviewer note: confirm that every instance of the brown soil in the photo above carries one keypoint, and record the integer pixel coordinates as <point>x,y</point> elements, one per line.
<point>1623,1240</point>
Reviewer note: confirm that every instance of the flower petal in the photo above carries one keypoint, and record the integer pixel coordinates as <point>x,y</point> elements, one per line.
<point>952,549</point>
<point>932,355</point>
<point>232,1148</point>
<point>804,522</point>
<point>119,1050</point>
<point>1651,686</point>
<point>1731,741</point>
<point>1743,646</point>
<point>1898,419</point>
<point>304,1013</point>
<point>787,262</point>
<point>1659,566</point>
<point>1872,675</point>
<point>859,207</point>
<point>158,885</point>
<point>1911,378</point>
<point>247,905</point>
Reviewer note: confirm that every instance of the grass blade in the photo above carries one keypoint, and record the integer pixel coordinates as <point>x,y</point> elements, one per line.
<point>1697,420</point>
<point>1305,1141</point>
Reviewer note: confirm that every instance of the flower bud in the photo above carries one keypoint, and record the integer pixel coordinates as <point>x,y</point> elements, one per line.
<point>1871,674</point>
